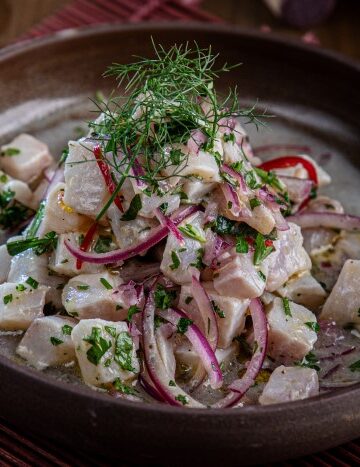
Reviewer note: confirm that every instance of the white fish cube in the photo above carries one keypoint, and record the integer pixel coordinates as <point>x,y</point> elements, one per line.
<point>23,194</point>
<point>179,261</point>
<point>86,191</point>
<point>291,259</point>
<point>25,157</point>
<point>19,306</point>
<point>239,278</point>
<point>203,165</point>
<point>343,303</point>
<point>288,384</point>
<point>230,316</point>
<point>305,290</point>
<point>59,216</point>
<point>5,262</point>
<point>290,338</point>
<point>64,263</point>
<point>195,190</point>
<point>90,296</point>
<point>105,351</point>
<point>48,342</point>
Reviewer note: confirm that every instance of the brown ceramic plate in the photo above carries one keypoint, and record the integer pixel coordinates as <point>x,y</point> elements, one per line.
<point>316,96</point>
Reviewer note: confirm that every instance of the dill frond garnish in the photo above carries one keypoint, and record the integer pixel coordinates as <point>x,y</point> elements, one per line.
<point>166,99</point>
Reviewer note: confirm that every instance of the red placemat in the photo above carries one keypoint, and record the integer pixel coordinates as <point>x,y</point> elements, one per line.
<point>20,449</point>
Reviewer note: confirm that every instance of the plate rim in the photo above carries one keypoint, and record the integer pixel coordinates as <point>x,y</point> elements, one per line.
<point>257,411</point>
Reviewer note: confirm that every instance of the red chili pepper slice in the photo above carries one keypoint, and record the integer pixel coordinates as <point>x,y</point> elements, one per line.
<point>85,244</point>
<point>291,161</point>
<point>104,168</point>
<point>268,243</point>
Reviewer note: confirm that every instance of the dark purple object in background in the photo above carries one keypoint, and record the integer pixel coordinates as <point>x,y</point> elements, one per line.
<point>301,13</point>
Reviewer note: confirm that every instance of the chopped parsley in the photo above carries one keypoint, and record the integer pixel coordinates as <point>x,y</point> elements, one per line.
<point>286,306</point>
<point>163,298</point>
<point>309,361</point>
<point>3,178</point>
<point>134,208</point>
<point>355,366</point>
<point>251,181</point>
<point>183,399</point>
<point>10,152</point>
<point>106,283</point>
<point>172,383</point>
<point>66,329</point>
<point>188,299</point>
<point>123,351</point>
<point>32,282</point>
<point>102,244</point>
<point>183,324</point>
<point>270,178</point>
<point>20,287</point>
<point>261,249</point>
<point>110,330</point>
<point>218,310</point>
<point>83,287</point>
<point>262,276</point>
<point>8,299</point>
<point>254,202</point>
<point>55,341</point>
<point>193,232</point>
<point>230,137</point>
<point>198,264</point>
<point>175,260</point>
<point>242,245</point>
<point>99,346</point>
<point>313,325</point>
<point>124,388</point>
<point>133,310</point>
<point>12,213</point>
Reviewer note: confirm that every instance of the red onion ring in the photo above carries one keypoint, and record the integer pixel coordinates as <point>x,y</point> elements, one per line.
<point>158,234</point>
<point>240,386</point>
<point>238,177</point>
<point>169,224</point>
<point>328,220</point>
<point>232,199</point>
<point>200,345</point>
<point>155,366</point>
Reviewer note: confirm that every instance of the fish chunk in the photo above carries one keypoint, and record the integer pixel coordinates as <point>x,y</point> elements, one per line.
<point>90,296</point>
<point>179,261</point>
<point>64,263</point>
<point>105,351</point>
<point>238,277</point>
<point>32,158</point>
<point>28,264</point>
<point>291,259</point>
<point>343,303</point>
<point>19,307</point>
<point>288,384</point>
<point>48,342</point>
<point>23,194</point>
<point>60,217</point>
<point>5,262</point>
<point>304,290</point>
<point>196,190</point>
<point>290,338</point>
<point>86,191</point>
<point>230,312</point>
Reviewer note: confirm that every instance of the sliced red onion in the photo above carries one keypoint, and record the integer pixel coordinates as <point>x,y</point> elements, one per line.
<point>138,172</point>
<point>211,212</point>
<point>169,224</point>
<point>149,388</point>
<point>329,220</point>
<point>244,189</point>
<point>331,371</point>
<point>200,345</point>
<point>196,140</point>
<point>339,354</point>
<point>231,198</point>
<point>240,386</point>
<point>158,234</point>
<point>206,311</point>
<point>129,294</point>
<point>165,347</point>
<point>164,384</point>
<point>214,246</point>
<point>299,189</point>
<point>270,202</point>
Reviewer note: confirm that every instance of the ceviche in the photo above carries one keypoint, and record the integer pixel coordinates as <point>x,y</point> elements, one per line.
<point>164,259</point>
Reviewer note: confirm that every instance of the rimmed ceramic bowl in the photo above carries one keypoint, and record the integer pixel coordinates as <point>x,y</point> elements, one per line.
<point>315,96</point>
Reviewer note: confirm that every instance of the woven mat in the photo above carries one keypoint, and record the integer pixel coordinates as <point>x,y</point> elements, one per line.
<point>20,449</point>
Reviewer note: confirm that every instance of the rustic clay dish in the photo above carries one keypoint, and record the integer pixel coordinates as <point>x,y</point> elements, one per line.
<point>316,96</point>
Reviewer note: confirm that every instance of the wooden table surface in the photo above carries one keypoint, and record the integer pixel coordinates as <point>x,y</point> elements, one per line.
<point>341,32</point>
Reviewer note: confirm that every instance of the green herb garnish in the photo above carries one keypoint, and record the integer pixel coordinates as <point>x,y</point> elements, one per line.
<point>7,299</point>
<point>39,245</point>
<point>134,208</point>
<point>55,341</point>
<point>286,306</point>
<point>163,297</point>
<point>313,325</point>
<point>32,282</point>
<point>193,232</point>
<point>10,152</point>
<point>67,329</point>
<point>261,250</point>
<point>133,310</point>
<point>183,324</point>
<point>106,283</point>
<point>123,351</point>
<point>175,260</point>
<point>99,346</point>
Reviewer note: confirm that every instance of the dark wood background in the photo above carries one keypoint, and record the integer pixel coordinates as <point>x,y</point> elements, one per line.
<point>341,32</point>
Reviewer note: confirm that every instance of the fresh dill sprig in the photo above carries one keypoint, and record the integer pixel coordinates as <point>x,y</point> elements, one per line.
<point>165,99</point>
